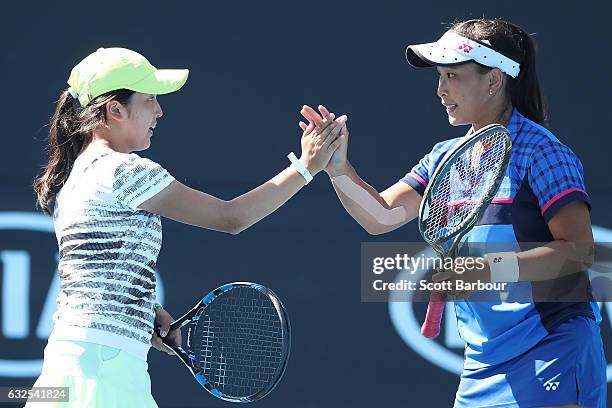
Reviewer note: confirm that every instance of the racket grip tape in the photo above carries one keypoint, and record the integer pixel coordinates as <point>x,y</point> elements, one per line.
<point>433,317</point>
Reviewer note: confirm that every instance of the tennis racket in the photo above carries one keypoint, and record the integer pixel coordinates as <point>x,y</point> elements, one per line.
<point>237,343</point>
<point>460,189</point>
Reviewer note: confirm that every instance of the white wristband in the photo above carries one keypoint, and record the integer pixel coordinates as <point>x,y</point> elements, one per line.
<point>300,167</point>
<point>504,266</point>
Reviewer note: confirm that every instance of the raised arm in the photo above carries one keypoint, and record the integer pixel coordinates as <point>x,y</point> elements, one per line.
<point>376,212</point>
<point>190,206</point>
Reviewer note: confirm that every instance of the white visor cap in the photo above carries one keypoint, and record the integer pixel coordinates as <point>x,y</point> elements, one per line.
<point>453,48</point>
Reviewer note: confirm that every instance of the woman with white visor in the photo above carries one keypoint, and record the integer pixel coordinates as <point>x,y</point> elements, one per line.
<point>519,352</point>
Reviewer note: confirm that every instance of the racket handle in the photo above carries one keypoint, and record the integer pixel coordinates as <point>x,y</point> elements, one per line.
<point>433,318</point>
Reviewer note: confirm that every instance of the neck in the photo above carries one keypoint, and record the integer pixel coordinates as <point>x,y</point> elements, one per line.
<point>501,115</point>
<point>101,138</point>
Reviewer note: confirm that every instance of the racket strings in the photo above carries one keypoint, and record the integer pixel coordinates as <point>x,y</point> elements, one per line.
<point>238,342</point>
<point>467,183</point>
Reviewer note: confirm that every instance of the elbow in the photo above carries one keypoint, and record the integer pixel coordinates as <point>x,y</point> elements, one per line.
<point>585,252</point>
<point>581,254</point>
<point>372,230</point>
<point>235,230</point>
<point>386,220</point>
<point>233,221</point>
<point>231,231</point>
<point>589,258</point>
<point>233,226</point>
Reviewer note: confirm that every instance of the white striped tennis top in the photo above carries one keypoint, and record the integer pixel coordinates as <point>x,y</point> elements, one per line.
<point>108,250</point>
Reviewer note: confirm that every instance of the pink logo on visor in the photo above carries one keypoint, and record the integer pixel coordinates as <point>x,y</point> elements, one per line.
<point>465,47</point>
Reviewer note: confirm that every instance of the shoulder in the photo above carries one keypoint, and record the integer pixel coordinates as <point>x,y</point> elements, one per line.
<point>119,163</point>
<point>440,149</point>
<point>118,158</point>
<point>136,179</point>
<point>536,146</point>
<point>444,146</point>
<point>533,137</point>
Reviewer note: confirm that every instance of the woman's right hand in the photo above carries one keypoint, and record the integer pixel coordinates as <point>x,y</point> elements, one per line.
<point>319,142</point>
<point>338,162</point>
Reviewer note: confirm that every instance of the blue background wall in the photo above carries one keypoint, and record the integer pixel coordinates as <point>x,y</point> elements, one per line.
<point>253,65</point>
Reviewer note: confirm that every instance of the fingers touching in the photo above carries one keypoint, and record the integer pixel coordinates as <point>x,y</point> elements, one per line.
<point>317,118</point>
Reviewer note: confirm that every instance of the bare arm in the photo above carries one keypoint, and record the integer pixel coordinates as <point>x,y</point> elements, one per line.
<point>189,206</point>
<point>383,212</point>
<point>197,208</point>
<point>570,252</point>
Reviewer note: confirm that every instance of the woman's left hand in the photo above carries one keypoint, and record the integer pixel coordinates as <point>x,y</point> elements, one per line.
<point>163,320</point>
<point>337,163</point>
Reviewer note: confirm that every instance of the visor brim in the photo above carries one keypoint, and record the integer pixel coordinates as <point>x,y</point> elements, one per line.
<point>432,54</point>
<point>162,81</point>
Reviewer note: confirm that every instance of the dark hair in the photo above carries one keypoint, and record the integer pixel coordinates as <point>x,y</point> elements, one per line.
<point>71,127</point>
<point>515,43</point>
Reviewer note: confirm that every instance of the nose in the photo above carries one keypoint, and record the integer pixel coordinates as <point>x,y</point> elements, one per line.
<point>159,112</point>
<point>442,90</point>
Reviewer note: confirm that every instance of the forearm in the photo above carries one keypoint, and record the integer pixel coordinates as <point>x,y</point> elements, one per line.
<point>260,202</point>
<point>194,207</point>
<point>555,259</point>
<point>365,204</point>
<point>543,263</point>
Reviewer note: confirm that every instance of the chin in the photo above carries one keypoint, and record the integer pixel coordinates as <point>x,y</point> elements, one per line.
<point>455,121</point>
<point>142,147</point>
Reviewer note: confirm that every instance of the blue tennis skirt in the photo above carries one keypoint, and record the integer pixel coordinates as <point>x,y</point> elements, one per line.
<point>567,367</point>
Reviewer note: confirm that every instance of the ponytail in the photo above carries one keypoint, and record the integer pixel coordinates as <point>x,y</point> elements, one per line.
<point>70,131</point>
<point>512,41</point>
<point>525,91</point>
<point>65,143</point>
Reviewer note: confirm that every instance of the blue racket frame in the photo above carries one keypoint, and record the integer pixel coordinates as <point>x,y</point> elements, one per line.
<point>192,317</point>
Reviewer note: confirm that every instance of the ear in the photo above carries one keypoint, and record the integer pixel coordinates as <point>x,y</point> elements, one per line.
<point>115,111</point>
<point>496,80</point>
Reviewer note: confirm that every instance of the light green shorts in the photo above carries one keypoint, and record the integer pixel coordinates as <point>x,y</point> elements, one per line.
<point>96,376</point>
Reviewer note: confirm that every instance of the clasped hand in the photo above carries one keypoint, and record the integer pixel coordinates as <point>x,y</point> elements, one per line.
<point>324,141</point>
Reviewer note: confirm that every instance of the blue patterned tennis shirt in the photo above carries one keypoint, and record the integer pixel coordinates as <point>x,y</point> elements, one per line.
<point>543,176</point>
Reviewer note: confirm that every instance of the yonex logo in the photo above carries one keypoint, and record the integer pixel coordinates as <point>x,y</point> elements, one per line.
<point>446,353</point>
<point>551,385</point>
<point>465,47</point>
<point>497,259</point>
